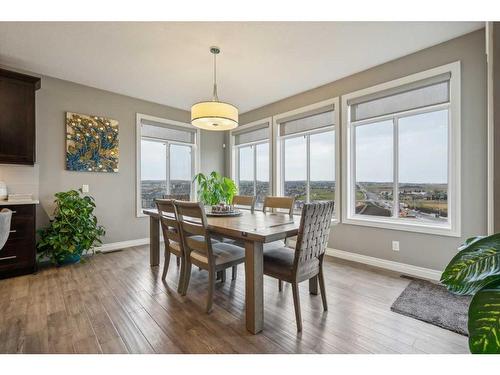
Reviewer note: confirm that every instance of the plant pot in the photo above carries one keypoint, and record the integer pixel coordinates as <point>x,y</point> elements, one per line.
<point>70,259</point>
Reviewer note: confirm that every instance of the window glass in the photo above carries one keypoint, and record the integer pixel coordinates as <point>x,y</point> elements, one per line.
<point>246,170</point>
<point>374,169</point>
<point>180,170</point>
<point>262,171</point>
<point>153,172</point>
<point>322,172</point>
<point>423,167</point>
<point>295,173</point>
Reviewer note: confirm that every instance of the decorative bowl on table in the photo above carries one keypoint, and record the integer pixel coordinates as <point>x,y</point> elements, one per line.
<point>223,209</point>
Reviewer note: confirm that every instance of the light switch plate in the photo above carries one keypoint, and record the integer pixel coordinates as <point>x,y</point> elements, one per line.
<point>395,245</point>
<point>85,188</point>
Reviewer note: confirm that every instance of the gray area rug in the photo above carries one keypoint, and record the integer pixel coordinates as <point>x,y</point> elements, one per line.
<point>433,304</point>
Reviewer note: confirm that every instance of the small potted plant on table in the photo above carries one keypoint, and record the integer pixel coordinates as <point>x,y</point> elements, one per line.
<point>215,189</point>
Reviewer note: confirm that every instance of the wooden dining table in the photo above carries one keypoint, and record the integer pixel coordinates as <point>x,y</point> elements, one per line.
<point>255,229</point>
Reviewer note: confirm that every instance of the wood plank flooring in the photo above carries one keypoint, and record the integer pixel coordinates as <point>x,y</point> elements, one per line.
<point>116,303</point>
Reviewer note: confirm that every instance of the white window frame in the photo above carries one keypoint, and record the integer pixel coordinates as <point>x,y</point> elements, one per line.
<point>278,149</point>
<point>234,159</point>
<point>453,227</point>
<point>195,160</point>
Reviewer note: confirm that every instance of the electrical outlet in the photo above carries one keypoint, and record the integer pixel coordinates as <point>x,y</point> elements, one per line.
<point>395,245</point>
<point>85,188</point>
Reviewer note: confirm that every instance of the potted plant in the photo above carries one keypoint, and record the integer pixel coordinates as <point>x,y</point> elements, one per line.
<point>475,271</point>
<point>214,188</point>
<point>73,231</point>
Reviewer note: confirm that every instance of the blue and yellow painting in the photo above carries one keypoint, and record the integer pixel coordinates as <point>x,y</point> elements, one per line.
<point>91,143</point>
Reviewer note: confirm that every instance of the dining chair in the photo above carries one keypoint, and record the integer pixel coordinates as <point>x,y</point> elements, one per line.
<point>172,237</point>
<point>285,203</point>
<point>211,256</point>
<point>244,201</point>
<point>306,261</point>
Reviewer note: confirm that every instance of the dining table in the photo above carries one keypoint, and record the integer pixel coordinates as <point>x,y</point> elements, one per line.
<point>254,229</point>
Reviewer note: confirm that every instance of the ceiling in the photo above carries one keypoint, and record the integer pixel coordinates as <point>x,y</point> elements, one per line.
<point>170,63</point>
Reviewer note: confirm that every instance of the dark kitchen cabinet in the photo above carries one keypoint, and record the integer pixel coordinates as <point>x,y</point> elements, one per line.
<point>18,256</point>
<point>17,117</point>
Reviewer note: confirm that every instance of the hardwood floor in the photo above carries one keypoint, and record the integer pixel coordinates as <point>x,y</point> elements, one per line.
<point>116,303</point>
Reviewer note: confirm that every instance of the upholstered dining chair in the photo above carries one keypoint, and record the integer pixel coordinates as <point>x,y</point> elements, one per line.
<point>306,261</point>
<point>284,203</point>
<point>172,237</point>
<point>211,256</point>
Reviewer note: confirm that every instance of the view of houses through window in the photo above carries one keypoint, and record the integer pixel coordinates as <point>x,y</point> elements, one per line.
<point>399,150</point>
<point>422,186</point>
<point>167,162</point>
<point>314,153</point>
<point>253,170</point>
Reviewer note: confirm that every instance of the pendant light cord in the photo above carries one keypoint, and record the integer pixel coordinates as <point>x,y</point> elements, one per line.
<point>215,96</point>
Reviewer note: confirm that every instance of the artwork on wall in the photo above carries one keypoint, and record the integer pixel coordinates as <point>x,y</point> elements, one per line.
<point>91,143</point>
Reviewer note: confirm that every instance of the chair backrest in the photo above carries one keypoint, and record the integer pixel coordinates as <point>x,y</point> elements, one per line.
<point>313,234</point>
<point>244,200</point>
<point>193,222</point>
<point>279,202</point>
<point>178,197</point>
<point>169,222</point>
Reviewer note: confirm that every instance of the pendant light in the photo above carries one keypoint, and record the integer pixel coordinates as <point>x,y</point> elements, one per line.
<point>214,115</point>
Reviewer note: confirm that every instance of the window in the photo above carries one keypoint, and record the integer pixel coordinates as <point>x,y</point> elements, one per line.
<point>402,153</point>
<point>251,158</point>
<point>168,159</point>
<point>307,153</point>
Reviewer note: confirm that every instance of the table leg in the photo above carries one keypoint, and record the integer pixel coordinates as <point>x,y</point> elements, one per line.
<point>154,241</point>
<point>313,285</point>
<point>254,286</point>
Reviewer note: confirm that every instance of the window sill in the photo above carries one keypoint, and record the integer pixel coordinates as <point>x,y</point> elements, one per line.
<point>401,225</point>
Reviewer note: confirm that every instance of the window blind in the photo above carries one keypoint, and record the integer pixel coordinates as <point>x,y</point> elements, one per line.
<point>424,93</point>
<point>167,132</point>
<point>253,134</point>
<point>309,121</point>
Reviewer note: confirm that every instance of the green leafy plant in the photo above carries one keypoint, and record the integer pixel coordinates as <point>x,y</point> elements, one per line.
<point>475,270</point>
<point>73,231</point>
<point>214,188</point>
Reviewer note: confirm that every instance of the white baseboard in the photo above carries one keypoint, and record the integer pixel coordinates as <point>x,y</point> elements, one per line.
<point>112,246</point>
<point>407,269</point>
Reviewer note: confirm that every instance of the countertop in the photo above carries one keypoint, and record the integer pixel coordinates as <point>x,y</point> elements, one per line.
<point>11,203</point>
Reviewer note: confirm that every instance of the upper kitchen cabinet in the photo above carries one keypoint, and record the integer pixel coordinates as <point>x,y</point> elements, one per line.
<point>17,117</point>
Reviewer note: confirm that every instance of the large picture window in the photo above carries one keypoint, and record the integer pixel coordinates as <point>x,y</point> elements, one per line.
<point>251,159</point>
<point>167,160</point>
<point>402,153</point>
<point>307,153</point>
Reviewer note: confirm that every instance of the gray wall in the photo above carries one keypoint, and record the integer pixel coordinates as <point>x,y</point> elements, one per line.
<point>495,112</point>
<point>418,249</point>
<point>114,192</point>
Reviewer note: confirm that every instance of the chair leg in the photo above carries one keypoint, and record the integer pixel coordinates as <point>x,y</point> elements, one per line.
<point>322,288</point>
<point>178,261</point>
<point>166,263</point>
<point>280,285</point>
<point>296,303</point>
<point>187,276</point>
<point>182,276</point>
<point>234,273</point>
<point>223,276</point>
<point>211,289</point>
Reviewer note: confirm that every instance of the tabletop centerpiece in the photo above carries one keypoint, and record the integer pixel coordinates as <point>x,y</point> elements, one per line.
<point>216,192</point>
